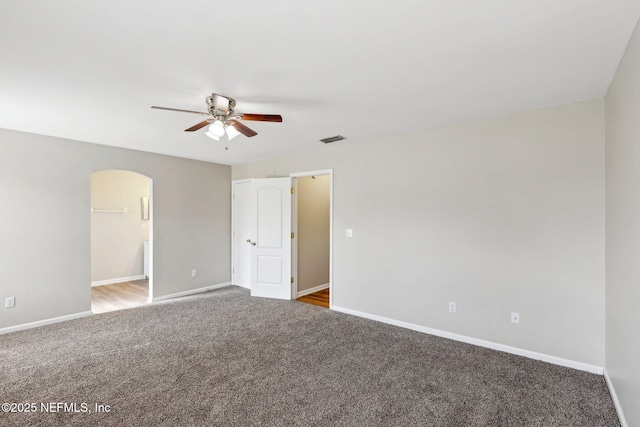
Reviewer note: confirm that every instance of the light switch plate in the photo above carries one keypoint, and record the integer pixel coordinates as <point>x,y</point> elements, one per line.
<point>349,232</point>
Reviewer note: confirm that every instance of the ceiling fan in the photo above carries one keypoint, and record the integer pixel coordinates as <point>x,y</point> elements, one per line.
<point>223,119</point>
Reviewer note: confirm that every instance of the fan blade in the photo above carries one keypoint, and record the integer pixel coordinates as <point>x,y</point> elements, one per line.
<point>262,117</point>
<point>242,128</point>
<point>198,126</point>
<point>182,111</point>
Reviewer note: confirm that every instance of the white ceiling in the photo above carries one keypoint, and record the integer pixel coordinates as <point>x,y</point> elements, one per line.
<point>90,69</point>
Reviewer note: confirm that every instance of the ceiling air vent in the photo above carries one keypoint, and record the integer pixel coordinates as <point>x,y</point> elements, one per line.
<point>332,139</point>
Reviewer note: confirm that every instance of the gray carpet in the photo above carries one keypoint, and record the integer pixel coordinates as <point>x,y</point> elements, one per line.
<point>223,358</point>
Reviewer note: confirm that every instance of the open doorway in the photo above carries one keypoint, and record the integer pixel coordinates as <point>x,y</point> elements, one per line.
<point>312,245</point>
<point>264,213</point>
<point>121,240</point>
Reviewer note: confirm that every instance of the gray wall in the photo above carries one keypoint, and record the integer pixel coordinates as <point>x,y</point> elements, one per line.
<point>313,231</point>
<point>623,231</point>
<point>500,215</point>
<point>45,188</point>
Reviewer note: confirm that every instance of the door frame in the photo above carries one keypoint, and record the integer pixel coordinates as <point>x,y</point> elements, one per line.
<point>151,245</point>
<point>233,227</point>
<point>294,229</point>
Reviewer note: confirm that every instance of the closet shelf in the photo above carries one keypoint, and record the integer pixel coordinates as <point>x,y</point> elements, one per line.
<point>123,211</point>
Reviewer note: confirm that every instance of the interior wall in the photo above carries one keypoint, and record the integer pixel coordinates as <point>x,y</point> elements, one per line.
<point>45,236</point>
<point>117,240</point>
<point>313,231</point>
<point>623,231</point>
<point>498,216</point>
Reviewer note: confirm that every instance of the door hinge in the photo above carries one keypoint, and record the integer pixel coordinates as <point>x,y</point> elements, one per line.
<point>293,190</point>
<point>292,280</point>
<point>293,235</point>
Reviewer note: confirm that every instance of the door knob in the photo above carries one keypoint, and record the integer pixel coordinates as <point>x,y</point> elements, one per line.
<point>253,243</point>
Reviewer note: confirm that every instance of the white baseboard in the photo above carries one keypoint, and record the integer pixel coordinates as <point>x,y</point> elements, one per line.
<point>312,290</point>
<point>119,280</point>
<point>44,322</point>
<point>191,292</point>
<point>475,341</point>
<point>616,401</point>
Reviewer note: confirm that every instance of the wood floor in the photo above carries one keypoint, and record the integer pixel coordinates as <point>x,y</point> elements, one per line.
<point>320,298</point>
<point>119,295</point>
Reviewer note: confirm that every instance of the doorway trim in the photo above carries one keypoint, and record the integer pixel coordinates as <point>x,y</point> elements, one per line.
<point>151,245</point>
<point>294,229</point>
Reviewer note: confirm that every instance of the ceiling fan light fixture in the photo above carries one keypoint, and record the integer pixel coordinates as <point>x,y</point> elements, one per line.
<point>212,136</point>
<point>232,132</point>
<point>217,128</point>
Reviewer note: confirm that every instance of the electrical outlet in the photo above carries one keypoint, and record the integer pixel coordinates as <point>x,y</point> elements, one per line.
<point>194,273</point>
<point>452,307</point>
<point>10,302</point>
<point>515,317</point>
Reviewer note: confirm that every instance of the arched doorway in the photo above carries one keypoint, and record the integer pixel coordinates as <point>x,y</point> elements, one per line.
<point>121,240</point>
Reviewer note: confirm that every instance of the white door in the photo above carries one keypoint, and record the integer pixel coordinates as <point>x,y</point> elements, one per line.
<point>271,239</point>
<point>242,207</point>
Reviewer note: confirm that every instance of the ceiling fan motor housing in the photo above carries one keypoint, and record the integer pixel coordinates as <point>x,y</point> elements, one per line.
<point>220,107</point>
